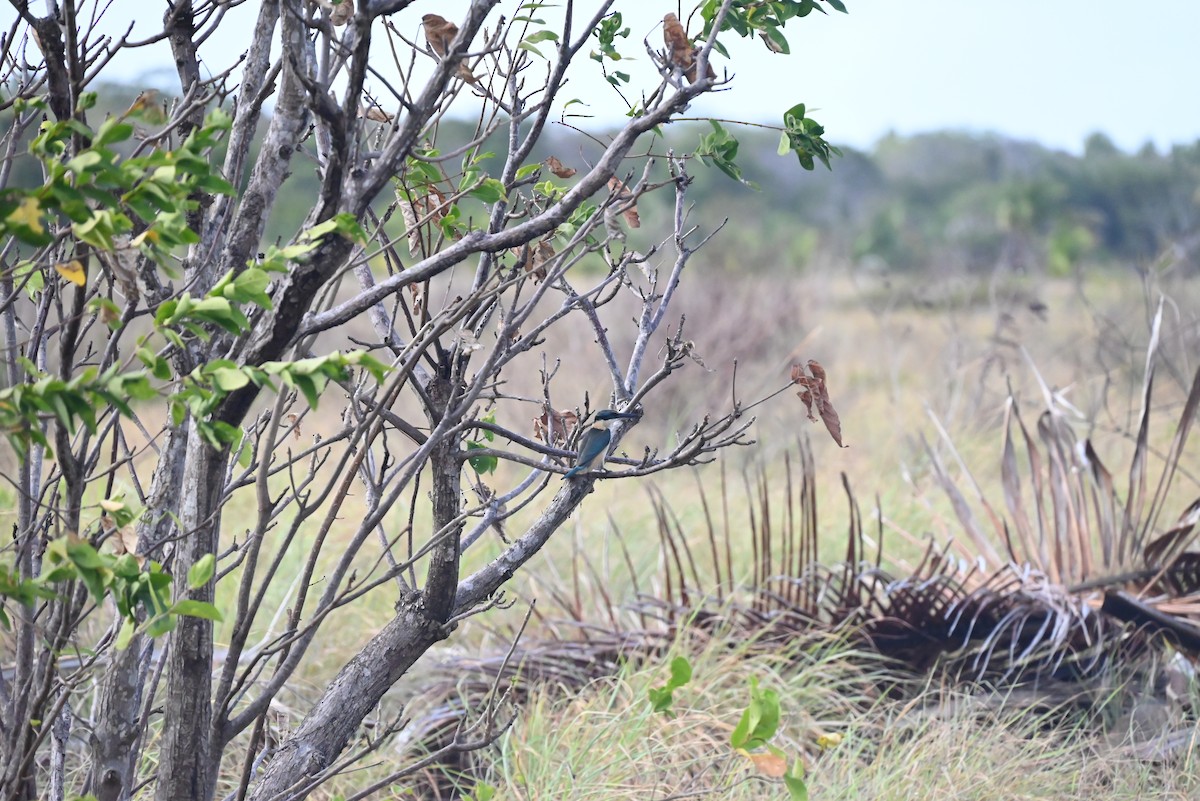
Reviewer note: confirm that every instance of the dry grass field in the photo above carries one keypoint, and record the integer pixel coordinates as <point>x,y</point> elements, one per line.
<point>917,371</point>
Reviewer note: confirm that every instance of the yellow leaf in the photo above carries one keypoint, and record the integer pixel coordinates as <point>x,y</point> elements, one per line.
<point>827,741</point>
<point>110,505</point>
<point>28,214</point>
<point>149,235</point>
<point>73,272</point>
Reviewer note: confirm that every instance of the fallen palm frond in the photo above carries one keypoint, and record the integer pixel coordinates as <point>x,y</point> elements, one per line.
<point>1066,581</point>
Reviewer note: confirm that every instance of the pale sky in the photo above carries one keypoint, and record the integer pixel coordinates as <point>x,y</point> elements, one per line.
<point>1048,70</point>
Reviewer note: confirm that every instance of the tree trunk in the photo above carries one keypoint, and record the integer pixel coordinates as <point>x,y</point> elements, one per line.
<point>119,703</point>
<point>347,700</point>
<point>187,770</point>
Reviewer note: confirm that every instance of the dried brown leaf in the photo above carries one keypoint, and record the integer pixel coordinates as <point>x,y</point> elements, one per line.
<point>559,169</point>
<point>769,764</point>
<point>123,262</point>
<point>464,74</point>
<point>542,254</point>
<point>555,428</point>
<point>340,12</point>
<point>690,74</point>
<point>439,32</point>
<point>680,51</point>
<point>625,197</point>
<point>534,257</point>
<point>126,539</point>
<point>679,47</point>
<point>376,114</point>
<point>814,394</point>
<point>419,211</point>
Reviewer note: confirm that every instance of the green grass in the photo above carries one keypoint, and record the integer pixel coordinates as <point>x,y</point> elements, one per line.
<point>606,743</point>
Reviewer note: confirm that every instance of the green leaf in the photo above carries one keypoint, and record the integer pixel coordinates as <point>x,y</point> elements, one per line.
<point>527,170</point>
<point>542,36</point>
<point>245,453</point>
<point>741,732</point>
<point>229,379</point>
<point>526,46</point>
<point>720,149</point>
<point>84,161</point>
<point>661,698</point>
<point>794,781</point>
<point>759,721</point>
<point>681,671</point>
<point>200,573</point>
<point>159,367</point>
<point>125,635</point>
<point>489,190</point>
<point>200,609</point>
<point>780,43</point>
<point>308,387</point>
<point>84,555</point>
<point>112,130</point>
<point>160,625</point>
<point>485,464</point>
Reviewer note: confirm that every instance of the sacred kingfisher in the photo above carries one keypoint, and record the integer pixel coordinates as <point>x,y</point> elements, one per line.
<point>593,445</point>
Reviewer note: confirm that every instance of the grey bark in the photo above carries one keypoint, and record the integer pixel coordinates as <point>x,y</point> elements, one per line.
<point>349,698</point>
<point>117,723</point>
<point>187,770</point>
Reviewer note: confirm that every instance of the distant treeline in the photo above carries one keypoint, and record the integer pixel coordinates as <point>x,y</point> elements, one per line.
<point>956,201</point>
<point>945,202</point>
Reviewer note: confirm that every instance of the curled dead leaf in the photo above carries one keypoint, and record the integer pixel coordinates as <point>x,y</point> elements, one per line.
<point>543,253</point>
<point>533,258</point>
<point>439,32</point>
<point>814,394</point>
<point>555,428</point>
<point>125,540</point>
<point>376,114</point>
<point>679,47</point>
<point>680,52</point>
<point>340,11</point>
<point>419,211</point>
<point>558,168</point>
<point>625,198</point>
<point>122,261</point>
<point>464,73</point>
